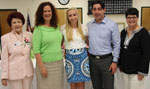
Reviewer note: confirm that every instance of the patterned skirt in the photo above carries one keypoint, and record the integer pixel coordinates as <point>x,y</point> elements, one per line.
<point>77,65</point>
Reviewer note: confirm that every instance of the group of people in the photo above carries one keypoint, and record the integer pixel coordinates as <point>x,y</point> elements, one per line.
<point>107,50</point>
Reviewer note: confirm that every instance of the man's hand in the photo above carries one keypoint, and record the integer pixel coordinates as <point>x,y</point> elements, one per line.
<point>113,68</point>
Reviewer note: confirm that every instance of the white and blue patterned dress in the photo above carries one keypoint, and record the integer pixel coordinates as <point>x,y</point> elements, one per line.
<point>77,65</point>
<point>77,62</point>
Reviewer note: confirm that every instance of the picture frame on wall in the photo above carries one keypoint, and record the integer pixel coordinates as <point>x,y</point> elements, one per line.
<point>90,7</point>
<point>112,6</point>
<point>61,15</point>
<point>145,17</point>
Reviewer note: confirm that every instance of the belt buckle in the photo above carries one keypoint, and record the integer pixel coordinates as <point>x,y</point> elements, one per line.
<point>97,57</point>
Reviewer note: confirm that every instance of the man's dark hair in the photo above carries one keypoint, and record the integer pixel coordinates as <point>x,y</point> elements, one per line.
<point>132,11</point>
<point>99,2</point>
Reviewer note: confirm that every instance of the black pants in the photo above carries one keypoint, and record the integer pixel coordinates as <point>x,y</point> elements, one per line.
<point>100,75</point>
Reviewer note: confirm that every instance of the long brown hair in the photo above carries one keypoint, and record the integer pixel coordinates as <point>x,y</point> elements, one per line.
<point>39,15</point>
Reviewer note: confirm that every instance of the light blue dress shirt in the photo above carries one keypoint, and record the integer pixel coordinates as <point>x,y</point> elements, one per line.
<point>104,38</point>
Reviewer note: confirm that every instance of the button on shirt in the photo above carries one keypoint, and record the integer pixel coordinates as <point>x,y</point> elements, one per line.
<point>104,38</point>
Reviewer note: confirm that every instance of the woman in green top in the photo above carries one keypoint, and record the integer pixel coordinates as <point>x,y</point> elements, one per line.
<point>47,48</point>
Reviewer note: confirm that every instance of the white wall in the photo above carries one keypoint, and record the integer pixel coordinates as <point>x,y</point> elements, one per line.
<point>31,6</point>
<point>73,3</point>
<point>140,3</point>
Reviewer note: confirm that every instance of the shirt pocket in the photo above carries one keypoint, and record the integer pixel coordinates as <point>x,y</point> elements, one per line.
<point>104,33</point>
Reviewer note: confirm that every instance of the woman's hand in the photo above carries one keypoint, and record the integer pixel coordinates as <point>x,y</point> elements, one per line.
<point>4,82</point>
<point>44,72</point>
<point>41,66</point>
<point>140,77</point>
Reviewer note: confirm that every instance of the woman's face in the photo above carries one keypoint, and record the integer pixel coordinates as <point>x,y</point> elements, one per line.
<point>16,25</point>
<point>132,20</point>
<point>47,13</point>
<point>72,17</point>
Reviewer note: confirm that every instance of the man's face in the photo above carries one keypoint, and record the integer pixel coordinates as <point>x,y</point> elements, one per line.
<point>98,12</point>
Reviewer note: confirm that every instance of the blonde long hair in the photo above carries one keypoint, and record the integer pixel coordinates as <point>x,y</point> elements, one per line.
<point>69,29</point>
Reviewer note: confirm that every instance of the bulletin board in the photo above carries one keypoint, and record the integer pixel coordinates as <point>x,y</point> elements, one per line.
<point>145,17</point>
<point>112,6</point>
<point>62,12</point>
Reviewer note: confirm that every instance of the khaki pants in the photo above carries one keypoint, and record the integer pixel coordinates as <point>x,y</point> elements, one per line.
<point>25,83</point>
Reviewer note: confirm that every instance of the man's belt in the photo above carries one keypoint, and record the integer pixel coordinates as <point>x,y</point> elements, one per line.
<point>101,56</point>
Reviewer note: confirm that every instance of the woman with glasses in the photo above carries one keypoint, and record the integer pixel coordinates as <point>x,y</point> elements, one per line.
<point>134,53</point>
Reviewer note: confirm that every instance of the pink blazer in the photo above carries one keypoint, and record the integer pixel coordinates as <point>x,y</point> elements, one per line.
<point>16,62</point>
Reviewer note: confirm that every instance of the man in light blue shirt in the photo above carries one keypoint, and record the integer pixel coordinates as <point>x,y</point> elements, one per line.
<point>104,48</point>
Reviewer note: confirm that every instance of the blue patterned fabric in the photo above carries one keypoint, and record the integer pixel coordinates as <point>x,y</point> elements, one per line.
<point>77,65</point>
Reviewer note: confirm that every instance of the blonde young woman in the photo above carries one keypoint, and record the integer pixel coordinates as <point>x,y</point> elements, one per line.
<point>77,64</point>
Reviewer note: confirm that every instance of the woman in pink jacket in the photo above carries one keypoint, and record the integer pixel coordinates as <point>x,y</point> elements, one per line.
<point>17,68</point>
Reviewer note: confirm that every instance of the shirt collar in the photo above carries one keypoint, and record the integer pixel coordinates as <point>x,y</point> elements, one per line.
<point>135,31</point>
<point>103,21</point>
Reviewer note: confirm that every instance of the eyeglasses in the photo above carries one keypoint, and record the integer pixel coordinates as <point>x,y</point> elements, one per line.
<point>131,17</point>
